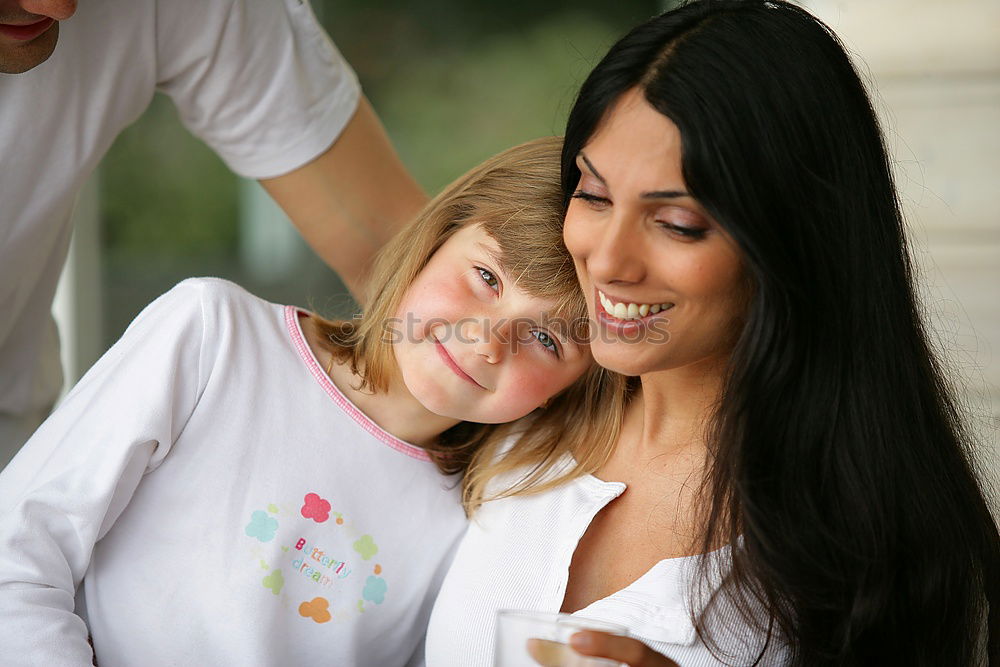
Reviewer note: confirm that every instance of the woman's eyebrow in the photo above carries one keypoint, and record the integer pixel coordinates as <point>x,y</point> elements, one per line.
<point>592,169</point>
<point>664,194</point>
<point>653,194</point>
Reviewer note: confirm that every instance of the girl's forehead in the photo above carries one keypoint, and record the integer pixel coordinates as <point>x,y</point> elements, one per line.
<point>473,238</point>
<point>474,234</point>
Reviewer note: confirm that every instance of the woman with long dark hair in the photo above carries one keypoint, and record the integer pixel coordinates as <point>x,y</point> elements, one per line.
<point>791,466</point>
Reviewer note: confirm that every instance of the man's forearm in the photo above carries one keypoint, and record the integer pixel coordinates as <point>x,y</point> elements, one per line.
<point>351,199</point>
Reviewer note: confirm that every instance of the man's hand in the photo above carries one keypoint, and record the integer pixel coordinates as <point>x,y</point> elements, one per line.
<point>351,199</point>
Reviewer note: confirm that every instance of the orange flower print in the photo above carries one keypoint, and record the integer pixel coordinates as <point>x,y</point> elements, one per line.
<point>318,609</point>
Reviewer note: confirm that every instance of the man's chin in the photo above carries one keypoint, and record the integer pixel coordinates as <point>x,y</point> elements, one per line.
<point>19,58</point>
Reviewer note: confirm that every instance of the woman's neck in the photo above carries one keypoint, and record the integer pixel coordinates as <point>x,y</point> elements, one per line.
<point>669,416</point>
<point>395,410</point>
<point>661,455</point>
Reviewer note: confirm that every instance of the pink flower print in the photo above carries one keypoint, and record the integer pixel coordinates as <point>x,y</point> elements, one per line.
<point>316,508</point>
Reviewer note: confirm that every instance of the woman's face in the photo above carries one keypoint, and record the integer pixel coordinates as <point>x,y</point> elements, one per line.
<point>663,281</point>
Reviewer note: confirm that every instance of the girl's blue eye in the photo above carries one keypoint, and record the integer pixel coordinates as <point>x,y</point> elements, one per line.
<point>547,341</point>
<point>489,278</point>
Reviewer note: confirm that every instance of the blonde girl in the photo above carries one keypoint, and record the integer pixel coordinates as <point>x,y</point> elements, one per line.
<point>239,482</point>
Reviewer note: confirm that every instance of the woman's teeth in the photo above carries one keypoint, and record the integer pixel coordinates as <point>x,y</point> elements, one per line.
<point>630,311</point>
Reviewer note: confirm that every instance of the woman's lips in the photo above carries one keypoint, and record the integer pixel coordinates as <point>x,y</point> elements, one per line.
<point>630,328</point>
<point>450,363</point>
<point>26,33</point>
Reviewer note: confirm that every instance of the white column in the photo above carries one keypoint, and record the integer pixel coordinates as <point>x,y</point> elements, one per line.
<point>270,247</point>
<point>78,305</point>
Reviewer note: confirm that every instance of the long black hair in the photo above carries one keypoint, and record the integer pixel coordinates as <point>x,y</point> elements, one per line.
<point>839,458</point>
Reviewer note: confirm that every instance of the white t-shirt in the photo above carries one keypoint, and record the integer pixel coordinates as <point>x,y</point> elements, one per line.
<point>516,554</point>
<point>258,80</point>
<point>221,503</point>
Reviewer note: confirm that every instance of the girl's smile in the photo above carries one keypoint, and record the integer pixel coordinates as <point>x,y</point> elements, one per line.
<point>450,363</point>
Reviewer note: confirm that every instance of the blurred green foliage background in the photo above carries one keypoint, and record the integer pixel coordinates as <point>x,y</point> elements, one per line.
<point>454,82</point>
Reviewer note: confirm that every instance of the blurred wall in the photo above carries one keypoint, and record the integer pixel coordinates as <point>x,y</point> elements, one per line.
<point>936,69</point>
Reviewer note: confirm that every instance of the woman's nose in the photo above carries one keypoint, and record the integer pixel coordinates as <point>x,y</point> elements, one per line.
<point>616,255</point>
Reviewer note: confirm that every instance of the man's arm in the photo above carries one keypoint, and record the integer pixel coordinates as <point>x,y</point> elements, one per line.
<point>351,199</point>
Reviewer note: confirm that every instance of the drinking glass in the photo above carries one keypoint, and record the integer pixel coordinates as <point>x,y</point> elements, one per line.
<point>541,639</point>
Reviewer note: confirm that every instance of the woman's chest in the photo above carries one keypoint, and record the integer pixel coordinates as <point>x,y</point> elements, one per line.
<point>623,542</point>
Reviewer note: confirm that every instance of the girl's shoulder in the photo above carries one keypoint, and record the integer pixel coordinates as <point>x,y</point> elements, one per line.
<point>196,316</point>
<point>205,299</point>
<point>217,292</point>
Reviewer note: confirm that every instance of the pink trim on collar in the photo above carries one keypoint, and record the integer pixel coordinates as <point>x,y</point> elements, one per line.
<point>298,340</point>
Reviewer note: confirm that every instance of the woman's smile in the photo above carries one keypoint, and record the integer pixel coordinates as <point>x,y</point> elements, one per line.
<point>622,309</point>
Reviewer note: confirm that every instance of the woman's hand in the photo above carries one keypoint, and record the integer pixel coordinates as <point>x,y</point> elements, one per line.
<point>625,650</point>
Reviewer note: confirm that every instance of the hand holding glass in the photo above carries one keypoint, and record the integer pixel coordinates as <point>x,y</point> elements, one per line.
<point>533,639</point>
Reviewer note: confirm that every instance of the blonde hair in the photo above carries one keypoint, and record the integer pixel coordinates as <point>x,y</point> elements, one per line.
<point>516,198</point>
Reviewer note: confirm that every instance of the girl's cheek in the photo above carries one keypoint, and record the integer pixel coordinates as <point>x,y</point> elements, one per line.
<point>536,383</point>
<point>436,301</point>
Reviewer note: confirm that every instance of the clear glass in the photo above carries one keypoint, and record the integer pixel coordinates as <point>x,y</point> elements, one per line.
<point>531,639</point>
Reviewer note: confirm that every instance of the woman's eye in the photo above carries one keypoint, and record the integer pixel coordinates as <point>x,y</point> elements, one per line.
<point>692,233</point>
<point>489,278</point>
<point>592,200</point>
<point>547,341</point>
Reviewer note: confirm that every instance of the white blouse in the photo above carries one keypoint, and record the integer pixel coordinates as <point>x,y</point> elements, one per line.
<point>516,554</point>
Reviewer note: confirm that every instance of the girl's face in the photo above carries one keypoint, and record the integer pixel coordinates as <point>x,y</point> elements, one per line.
<point>471,345</point>
<point>663,281</point>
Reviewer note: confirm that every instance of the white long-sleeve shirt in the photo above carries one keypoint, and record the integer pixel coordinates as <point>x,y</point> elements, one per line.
<point>215,500</point>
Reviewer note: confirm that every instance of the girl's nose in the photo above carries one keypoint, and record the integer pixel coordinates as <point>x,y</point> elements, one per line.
<point>60,10</point>
<point>487,340</point>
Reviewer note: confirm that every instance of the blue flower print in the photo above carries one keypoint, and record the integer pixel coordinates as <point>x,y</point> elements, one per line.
<point>374,591</point>
<point>262,526</point>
